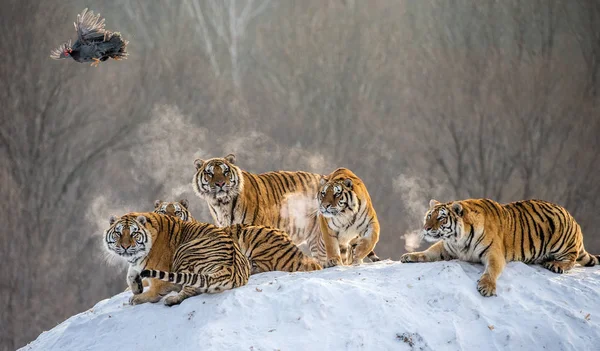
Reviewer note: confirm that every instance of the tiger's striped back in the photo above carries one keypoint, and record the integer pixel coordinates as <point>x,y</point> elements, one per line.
<point>270,249</point>
<point>284,200</point>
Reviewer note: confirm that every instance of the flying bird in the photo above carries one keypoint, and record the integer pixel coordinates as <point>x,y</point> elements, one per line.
<point>94,43</point>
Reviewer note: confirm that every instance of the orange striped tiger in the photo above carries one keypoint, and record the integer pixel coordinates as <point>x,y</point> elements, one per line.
<point>187,257</point>
<point>267,249</point>
<point>284,200</point>
<point>176,208</point>
<point>270,249</point>
<point>482,230</point>
<point>348,220</point>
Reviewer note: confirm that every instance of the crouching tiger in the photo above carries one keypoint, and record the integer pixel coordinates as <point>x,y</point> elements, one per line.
<point>188,257</point>
<point>482,230</point>
<point>268,249</point>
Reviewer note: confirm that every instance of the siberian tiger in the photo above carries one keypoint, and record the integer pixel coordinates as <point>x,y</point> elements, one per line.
<point>177,209</point>
<point>347,218</point>
<point>270,249</point>
<point>482,230</point>
<point>188,257</point>
<point>283,200</point>
<point>267,249</point>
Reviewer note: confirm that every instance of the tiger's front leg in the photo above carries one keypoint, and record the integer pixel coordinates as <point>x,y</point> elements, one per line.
<point>494,264</point>
<point>435,252</point>
<point>332,245</point>
<point>157,290</point>
<point>366,243</point>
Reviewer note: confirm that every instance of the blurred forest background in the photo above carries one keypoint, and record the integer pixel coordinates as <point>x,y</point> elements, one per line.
<point>446,99</point>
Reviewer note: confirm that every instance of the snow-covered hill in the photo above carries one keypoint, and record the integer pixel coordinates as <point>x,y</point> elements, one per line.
<point>380,306</point>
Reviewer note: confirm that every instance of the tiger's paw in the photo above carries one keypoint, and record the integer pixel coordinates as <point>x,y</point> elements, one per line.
<point>357,262</point>
<point>333,262</point>
<point>412,257</point>
<point>172,300</point>
<point>143,298</point>
<point>559,267</point>
<point>486,286</point>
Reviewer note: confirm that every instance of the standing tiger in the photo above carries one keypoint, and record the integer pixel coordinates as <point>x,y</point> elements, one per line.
<point>482,230</point>
<point>283,200</point>
<point>268,249</point>
<point>188,257</point>
<point>347,218</point>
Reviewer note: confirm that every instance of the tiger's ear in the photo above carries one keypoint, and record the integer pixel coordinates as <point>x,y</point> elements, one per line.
<point>323,180</point>
<point>457,208</point>
<point>432,203</point>
<point>142,220</point>
<point>157,203</point>
<point>230,158</point>
<point>198,163</point>
<point>112,219</point>
<point>348,183</point>
<point>184,203</point>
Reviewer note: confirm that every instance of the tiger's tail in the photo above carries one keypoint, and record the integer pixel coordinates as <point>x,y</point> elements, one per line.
<point>187,279</point>
<point>586,259</point>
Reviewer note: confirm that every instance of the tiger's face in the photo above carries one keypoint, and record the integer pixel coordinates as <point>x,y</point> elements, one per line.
<point>336,198</point>
<point>173,209</point>
<point>128,237</point>
<point>443,221</point>
<point>217,179</point>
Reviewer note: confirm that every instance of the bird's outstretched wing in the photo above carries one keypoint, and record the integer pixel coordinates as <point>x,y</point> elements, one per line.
<point>61,52</point>
<point>89,27</point>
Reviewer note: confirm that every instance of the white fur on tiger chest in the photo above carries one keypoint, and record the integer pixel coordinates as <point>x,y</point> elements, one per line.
<point>346,235</point>
<point>221,215</point>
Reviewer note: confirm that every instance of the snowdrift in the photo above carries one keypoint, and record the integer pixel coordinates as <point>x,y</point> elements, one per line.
<point>377,306</point>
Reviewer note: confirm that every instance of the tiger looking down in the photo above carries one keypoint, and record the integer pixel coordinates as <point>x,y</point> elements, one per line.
<point>347,218</point>
<point>188,257</point>
<point>482,230</point>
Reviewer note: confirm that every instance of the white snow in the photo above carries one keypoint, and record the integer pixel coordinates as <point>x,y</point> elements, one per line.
<point>378,306</point>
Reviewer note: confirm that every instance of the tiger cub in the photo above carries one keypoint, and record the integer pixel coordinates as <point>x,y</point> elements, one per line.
<point>482,230</point>
<point>283,200</point>
<point>268,249</point>
<point>347,218</point>
<point>177,209</point>
<point>187,257</point>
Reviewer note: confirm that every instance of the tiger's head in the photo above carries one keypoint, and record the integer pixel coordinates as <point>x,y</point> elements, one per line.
<point>337,195</point>
<point>174,209</point>
<point>443,221</point>
<point>218,179</point>
<point>129,236</point>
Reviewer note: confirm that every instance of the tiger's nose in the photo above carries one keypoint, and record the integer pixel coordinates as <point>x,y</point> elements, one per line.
<point>220,184</point>
<point>428,228</point>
